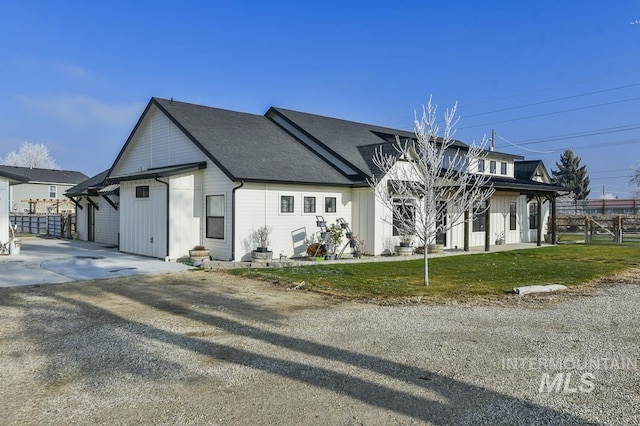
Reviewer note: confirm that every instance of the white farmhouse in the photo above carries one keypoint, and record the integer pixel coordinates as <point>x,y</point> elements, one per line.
<point>194,175</point>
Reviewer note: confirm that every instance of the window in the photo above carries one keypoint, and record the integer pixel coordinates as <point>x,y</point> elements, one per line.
<point>480,166</point>
<point>533,216</point>
<point>53,192</point>
<point>330,204</point>
<point>512,216</point>
<point>309,204</point>
<point>479,218</point>
<point>404,217</point>
<point>215,216</point>
<point>503,168</point>
<point>286,204</point>
<point>142,191</point>
<point>492,166</point>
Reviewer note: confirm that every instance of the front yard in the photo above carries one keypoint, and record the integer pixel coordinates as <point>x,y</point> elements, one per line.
<point>487,274</point>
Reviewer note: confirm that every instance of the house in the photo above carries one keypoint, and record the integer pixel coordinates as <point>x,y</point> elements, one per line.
<point>97,217</point>
<point>195,175</point>
<point>41,190</point>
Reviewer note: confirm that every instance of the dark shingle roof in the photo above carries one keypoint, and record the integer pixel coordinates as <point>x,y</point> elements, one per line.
<point>249,147</point>
<point>347,138</point>
<point>83,187</point>
<point>45,175</point>
<point>525,169</point>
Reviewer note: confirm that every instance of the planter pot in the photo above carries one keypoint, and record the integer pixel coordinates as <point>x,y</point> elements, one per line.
<point>547,238</point>
<point>198,255</point>
<point>330,257</point>
<point>435,248</point>
<point>405,244</point>
<point>357,254</point>
<point>403,251</point>
<point>499,242</point>
<point>261,256</point>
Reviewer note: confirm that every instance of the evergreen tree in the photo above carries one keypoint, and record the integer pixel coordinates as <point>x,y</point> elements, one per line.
<point>572,175</point>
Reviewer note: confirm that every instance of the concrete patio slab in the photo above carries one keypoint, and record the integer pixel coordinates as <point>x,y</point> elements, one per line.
<point>50,261</point>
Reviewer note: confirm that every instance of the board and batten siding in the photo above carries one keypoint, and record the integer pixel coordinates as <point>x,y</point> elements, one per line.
<point>4,210</point>
<point>259,204</point>
<point>185,213</point>
<point>215,182</point>
<point>107,222</point>
<point>82,220</point>
<point>143,221</point>
<point>156,143</point>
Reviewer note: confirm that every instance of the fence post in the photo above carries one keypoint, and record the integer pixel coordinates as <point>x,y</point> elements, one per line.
<point>619,230</point>
<point>587,236</point>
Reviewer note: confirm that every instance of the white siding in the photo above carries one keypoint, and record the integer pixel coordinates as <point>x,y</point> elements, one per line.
<point>185,213</point>
<point>214,182</point>
<point>107,222</point>
<point>259,204</point>
<point>364,220</point>
<point>81,220</point>
<point>4,210</point>
<point>157,143</point>
<point>143,221</point>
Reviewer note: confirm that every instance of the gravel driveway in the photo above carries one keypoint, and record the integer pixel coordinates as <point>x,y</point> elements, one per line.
<point>207,348</point>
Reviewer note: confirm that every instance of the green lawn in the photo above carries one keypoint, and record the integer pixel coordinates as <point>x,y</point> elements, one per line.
<point>477,274</point>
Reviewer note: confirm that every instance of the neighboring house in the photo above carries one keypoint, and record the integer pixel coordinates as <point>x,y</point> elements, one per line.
<point>42,190</point>
<point>97,217</point>
<point>194,175</point>
<point>7,180</point>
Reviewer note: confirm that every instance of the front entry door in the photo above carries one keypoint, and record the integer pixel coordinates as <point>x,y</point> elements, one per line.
<point>91,223</point>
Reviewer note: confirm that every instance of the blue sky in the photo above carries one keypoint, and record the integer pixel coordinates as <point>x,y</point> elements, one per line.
<point>76,75</point>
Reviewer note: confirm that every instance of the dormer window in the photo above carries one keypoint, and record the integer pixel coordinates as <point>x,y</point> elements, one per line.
<point>481,166</point>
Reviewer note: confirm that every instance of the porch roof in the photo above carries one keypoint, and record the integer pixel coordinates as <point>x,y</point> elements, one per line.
<point>158,172</point>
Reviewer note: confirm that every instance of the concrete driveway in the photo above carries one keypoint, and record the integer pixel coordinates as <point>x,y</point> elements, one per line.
<point>49,261</point>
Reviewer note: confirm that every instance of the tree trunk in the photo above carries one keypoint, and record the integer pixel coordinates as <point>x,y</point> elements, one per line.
<point>426,266</point>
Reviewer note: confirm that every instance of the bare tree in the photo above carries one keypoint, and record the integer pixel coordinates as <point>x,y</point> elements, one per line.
<point>32,155</point>
<point>428,183</point>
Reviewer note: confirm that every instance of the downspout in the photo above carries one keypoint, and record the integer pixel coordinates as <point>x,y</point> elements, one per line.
<point>233,219</point>
<point>167,248</point>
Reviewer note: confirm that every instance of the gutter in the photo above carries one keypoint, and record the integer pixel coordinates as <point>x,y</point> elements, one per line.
<point>167,248</point>
<point>233,219</point>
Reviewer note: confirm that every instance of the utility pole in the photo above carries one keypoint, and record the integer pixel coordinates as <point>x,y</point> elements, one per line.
<point>493,140</point>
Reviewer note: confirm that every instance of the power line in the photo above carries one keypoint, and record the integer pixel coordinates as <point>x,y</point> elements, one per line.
<point>553,100</point>
<point>586,133</point>
<point>552,113</point>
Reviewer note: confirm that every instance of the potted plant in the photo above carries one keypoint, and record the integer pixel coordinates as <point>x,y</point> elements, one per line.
<point>404,248</point>
<point>261,237</point>
<point>198,253</point>
<point>335,238</point>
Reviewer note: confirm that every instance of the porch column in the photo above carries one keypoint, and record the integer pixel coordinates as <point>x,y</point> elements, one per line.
<point>466,230</point>
<point>554,220</point>
<point>487,227</point>
<point>539,233</point>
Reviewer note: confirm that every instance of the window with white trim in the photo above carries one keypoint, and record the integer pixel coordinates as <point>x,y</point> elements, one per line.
<point>330,204</point>
<point>503,168</point>
<point>53,191</point>
<point>286,204</point>
<point>309,204</point>
<point>215,217</point>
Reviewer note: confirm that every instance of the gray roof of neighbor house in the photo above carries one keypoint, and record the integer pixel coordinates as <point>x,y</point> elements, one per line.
<point>83,187</point>
<point>52,176</point>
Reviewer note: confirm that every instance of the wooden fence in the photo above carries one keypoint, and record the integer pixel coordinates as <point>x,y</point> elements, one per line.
<point>615,227</point>
<point>51,225</point>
